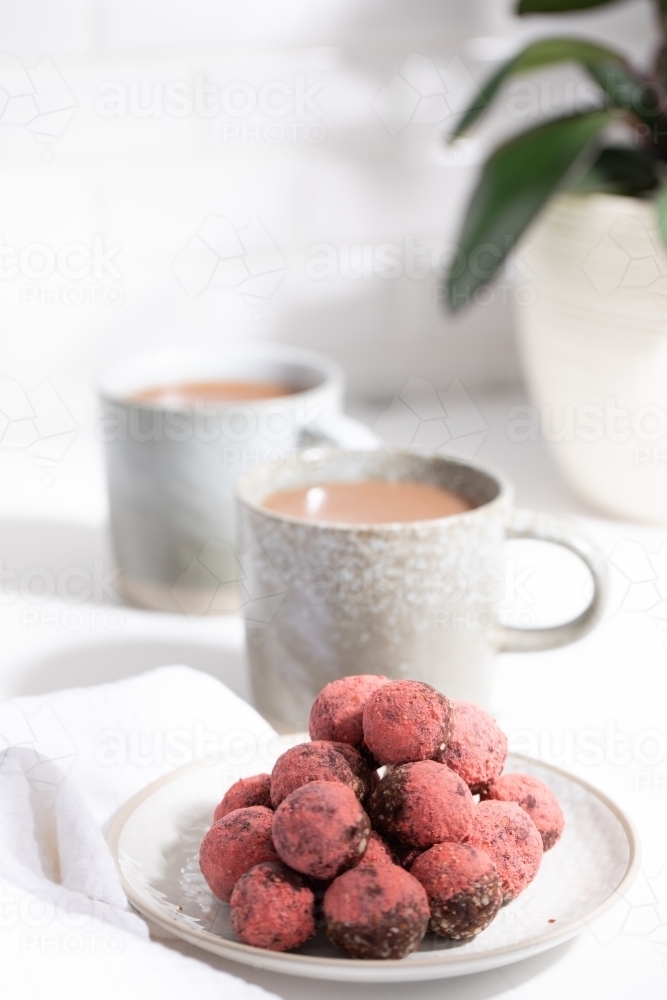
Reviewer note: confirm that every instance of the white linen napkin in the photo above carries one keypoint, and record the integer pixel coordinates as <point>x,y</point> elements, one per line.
<point>68,760</point>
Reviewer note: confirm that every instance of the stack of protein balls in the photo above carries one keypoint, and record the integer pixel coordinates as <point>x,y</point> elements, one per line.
<point>384,857</point>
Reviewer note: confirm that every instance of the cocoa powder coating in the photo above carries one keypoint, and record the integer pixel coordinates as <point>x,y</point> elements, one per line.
<point>237,842</point>
<point>406,721</point>
<point>463,889</point>
<point>321,829</point>
<point>378,851</point>
<point>512,841</point>
<point>376,911</point>
<point>337,712</point>
<point>477,750</point>
<point>273,907</point>
<point>254,791</point>
<point>320,761</point>
<point>536,799</point>
<point>421,804</point>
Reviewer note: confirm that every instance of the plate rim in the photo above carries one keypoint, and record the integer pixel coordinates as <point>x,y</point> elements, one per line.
<point>426,966</point>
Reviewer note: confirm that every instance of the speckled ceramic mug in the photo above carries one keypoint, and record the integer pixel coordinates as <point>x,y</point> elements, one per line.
<point>415,599</point>
<point>172,468</point>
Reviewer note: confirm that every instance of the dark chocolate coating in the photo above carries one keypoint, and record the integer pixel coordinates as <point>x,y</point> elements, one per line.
<point>407,855</point>
<point>463,888</point>
<point>376,912</point>
<point>469,912</point>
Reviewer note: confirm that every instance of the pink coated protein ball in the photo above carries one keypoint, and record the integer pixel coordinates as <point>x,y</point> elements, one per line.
<point>463,889</point>
<point>378,851</point>
<point>237,842</point>
<point>512,841</point>
<point>273,907</point>
<point>536,799</point>
<point>254,791</point>
<point>320,761</point>
<point>321,829</point>
<point>376,911</point>
<point>421,804</point>
<point>406,721</point>
<point>337,712</point>
<point>477,749</point>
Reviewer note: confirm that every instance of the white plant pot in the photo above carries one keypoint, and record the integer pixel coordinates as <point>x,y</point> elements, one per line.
<point>592,332</point>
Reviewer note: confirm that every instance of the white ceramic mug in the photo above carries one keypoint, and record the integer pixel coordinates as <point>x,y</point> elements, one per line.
<point>417,599</point>
<point>172,469</point>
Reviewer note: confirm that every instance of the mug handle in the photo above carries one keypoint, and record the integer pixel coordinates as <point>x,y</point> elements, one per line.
<point>546,528</point>
<point>339,431</point>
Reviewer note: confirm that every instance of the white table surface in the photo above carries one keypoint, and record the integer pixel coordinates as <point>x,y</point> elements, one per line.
<point>608,692</point>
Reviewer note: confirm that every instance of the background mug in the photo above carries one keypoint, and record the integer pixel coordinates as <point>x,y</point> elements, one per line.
<point>416,599</point>
<point>172,468</point>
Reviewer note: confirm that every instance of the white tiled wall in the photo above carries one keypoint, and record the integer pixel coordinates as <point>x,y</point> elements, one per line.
<point>109,146</point>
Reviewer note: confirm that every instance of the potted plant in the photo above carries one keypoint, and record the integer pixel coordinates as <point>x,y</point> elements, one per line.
<point>588,193</point>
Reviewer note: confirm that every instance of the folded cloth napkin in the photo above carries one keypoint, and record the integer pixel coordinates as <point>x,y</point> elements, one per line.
<point>68,760</point>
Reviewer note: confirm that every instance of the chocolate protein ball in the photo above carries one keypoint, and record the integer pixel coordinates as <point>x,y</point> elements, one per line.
<point>321,829</point>
<point>477,749</point>
<point>376,911</point>
<point>408,855</point>
<point>536,799</point>
<point>273,907</point>
<point>421,804</point>
<point>254,791</point>
<point>378,851</point>
<point>463,889</point>
<point>320,761</point>
<point>406,721</point>
<point>337,712</point>
<point>234,844</point>
<point>512,841</point>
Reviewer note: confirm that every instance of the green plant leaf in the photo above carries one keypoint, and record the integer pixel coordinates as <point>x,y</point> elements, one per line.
<point>628,92</point>
<point>515,183</point>
<point>661,205</point>
<point>546,52</point>
<point>622,170</point>
<point>557,6</point>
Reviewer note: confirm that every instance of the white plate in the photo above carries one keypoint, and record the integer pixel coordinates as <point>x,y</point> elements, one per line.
<point>155,841</point>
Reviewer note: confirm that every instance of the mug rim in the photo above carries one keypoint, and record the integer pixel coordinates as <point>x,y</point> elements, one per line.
<point>505,492</point>
<point>330,372</point>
